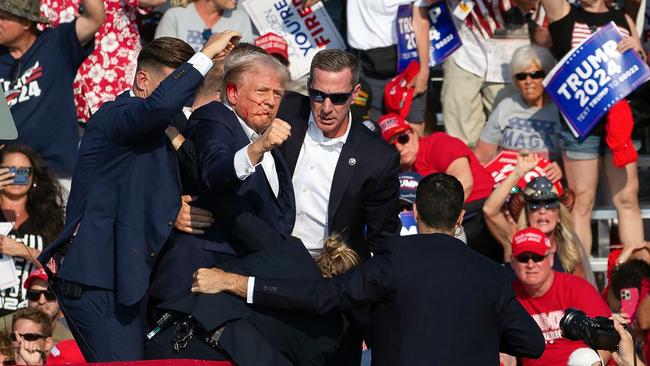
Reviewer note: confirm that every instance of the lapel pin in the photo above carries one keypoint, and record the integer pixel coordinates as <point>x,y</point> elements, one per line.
<point>352,161</point>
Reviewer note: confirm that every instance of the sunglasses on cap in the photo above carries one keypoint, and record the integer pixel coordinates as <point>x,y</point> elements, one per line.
<point>534,205</point>
<point>525,257</point>
<point>539,74</point>
<point>336,98</point>
<point>31,337</point>
<point>35,295</point>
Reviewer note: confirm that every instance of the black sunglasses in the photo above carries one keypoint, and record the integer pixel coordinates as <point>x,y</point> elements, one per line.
<point>402,139</point>
<point>336,98</point>
<point>35,295</point>
<point>31,337</point>
<point>521,76</point>
<point>534,205</point>
<point>525,257</point>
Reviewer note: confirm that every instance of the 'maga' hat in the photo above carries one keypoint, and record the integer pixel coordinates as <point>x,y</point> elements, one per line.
<point>530,240</point>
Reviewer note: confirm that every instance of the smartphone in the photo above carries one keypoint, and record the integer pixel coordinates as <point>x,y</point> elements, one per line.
<point>629,301</point>
<point>21,177</point>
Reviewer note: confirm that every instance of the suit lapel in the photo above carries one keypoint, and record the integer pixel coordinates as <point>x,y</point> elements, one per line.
<point>298,131</point>
<point>345,168</point>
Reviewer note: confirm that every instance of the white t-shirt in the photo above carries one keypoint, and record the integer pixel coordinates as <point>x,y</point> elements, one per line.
<point>186,24</point>
<point>371,23</point>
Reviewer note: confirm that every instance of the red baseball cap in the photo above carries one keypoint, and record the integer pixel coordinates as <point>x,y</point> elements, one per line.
<point>273,44</point>
<point>398,96</point>
<point>37,273</point>
<point>392,125</point>
<point>530,240</point>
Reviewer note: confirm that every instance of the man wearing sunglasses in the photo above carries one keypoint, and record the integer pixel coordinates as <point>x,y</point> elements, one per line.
<point>31,335</point>
<point>545,294</point>
<point>345,179</point>
<point>41,297</point>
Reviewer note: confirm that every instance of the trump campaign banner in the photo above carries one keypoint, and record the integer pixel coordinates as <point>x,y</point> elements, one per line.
<point>593,77</point>
<point>307,30</point>
<point>443,35</point>
<point>409,226</point>
<point>504,163</point>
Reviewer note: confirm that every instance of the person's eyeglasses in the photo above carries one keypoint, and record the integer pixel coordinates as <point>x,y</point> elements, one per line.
<point>30,337</point>
<point>525,257</point>
<point>402,139</point>
<point>539,74</point>
<point>207,33</point>
<point>35,295</point>
<point>336,98</point>
<point>534,205</point>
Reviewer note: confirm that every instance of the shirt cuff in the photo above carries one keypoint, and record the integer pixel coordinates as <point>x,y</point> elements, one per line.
<point>243,166</point>
<point>250,290</point>
<point>201,62</point>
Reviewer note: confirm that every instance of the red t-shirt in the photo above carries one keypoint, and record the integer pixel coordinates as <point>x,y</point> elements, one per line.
<point>65,352</point>
<point>438,150</point>
<point>567,291</point>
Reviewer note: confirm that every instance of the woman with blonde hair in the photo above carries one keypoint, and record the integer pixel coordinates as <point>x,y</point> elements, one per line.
<point>540,206</point>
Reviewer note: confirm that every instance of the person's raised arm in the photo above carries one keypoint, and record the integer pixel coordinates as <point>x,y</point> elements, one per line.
<point>421,27</point>
<point>90,20</point>
<point>556,9</point>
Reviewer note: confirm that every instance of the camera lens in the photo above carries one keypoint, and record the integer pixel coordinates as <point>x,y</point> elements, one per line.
<point>570,324</point>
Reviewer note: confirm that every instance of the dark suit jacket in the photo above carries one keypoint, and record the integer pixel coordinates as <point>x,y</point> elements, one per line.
<point>364,198</point>
<point>217,135</point>
<point>299,337</point>
<point>125,190</point>
<point>438,303</point>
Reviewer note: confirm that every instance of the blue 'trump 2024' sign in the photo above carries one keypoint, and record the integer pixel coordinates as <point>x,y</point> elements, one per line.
<point>443,35</point>
<point>593,77</point>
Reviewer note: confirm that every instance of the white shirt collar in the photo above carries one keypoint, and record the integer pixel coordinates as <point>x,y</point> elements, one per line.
<point>250,133</point>
<point>317,135</point>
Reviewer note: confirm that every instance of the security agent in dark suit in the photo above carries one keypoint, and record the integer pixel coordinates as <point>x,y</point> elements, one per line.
<point>345,178</point>
<point>436,302</point>
<point>124,200</point>
<point>224,327</point>
<point>235,143</point>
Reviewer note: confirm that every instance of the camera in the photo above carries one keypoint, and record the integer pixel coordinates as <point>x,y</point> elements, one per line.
<point>597,333</point>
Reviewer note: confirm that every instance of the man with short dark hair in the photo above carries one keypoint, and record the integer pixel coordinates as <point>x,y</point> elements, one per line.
<point>36,74</point>
<point>417,318</point>
<point>125,199</point>
<point>31,332</point>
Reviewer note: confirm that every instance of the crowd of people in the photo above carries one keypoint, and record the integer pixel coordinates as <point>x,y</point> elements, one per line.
<point>175,193</point>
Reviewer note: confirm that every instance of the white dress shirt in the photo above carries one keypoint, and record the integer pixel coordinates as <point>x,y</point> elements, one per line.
<point>243,166</point>
<point>312,183</point>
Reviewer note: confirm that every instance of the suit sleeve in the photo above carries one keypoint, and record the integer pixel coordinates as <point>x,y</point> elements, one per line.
<point>381,205</point>
<point>520,334</point>
<point>368,283</point>
<point>215,148</point>
<point>128,123</point>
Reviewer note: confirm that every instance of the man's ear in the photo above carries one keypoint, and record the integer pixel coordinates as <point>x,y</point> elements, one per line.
<point>49,343</point>
<point>415,213</point>
<point>355,92</point>
<point>232,95</point>
<point>459,222</point>
<point>142,80</point>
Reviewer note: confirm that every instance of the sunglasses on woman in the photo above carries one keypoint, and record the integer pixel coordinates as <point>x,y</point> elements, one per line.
<point>35,295</point>
<point>336,98</point>
<point>525,257</point>
<point>30,337</point>
<point>534,205</point>
<point>402,139</point>
<point>539,74</point>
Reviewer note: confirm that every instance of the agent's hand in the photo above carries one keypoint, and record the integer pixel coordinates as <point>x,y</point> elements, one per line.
<point>192,220</point>
<point>215,280</point>
<point>553,171</point>
<point>6,178</point>
<point>220,44</point>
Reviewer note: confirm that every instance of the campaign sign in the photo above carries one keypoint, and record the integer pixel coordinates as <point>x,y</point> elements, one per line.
<point>593,77</point>
<point>443,35</point>
<point>409,226</point>
<point>504,163</point>
<point>307,30</point>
